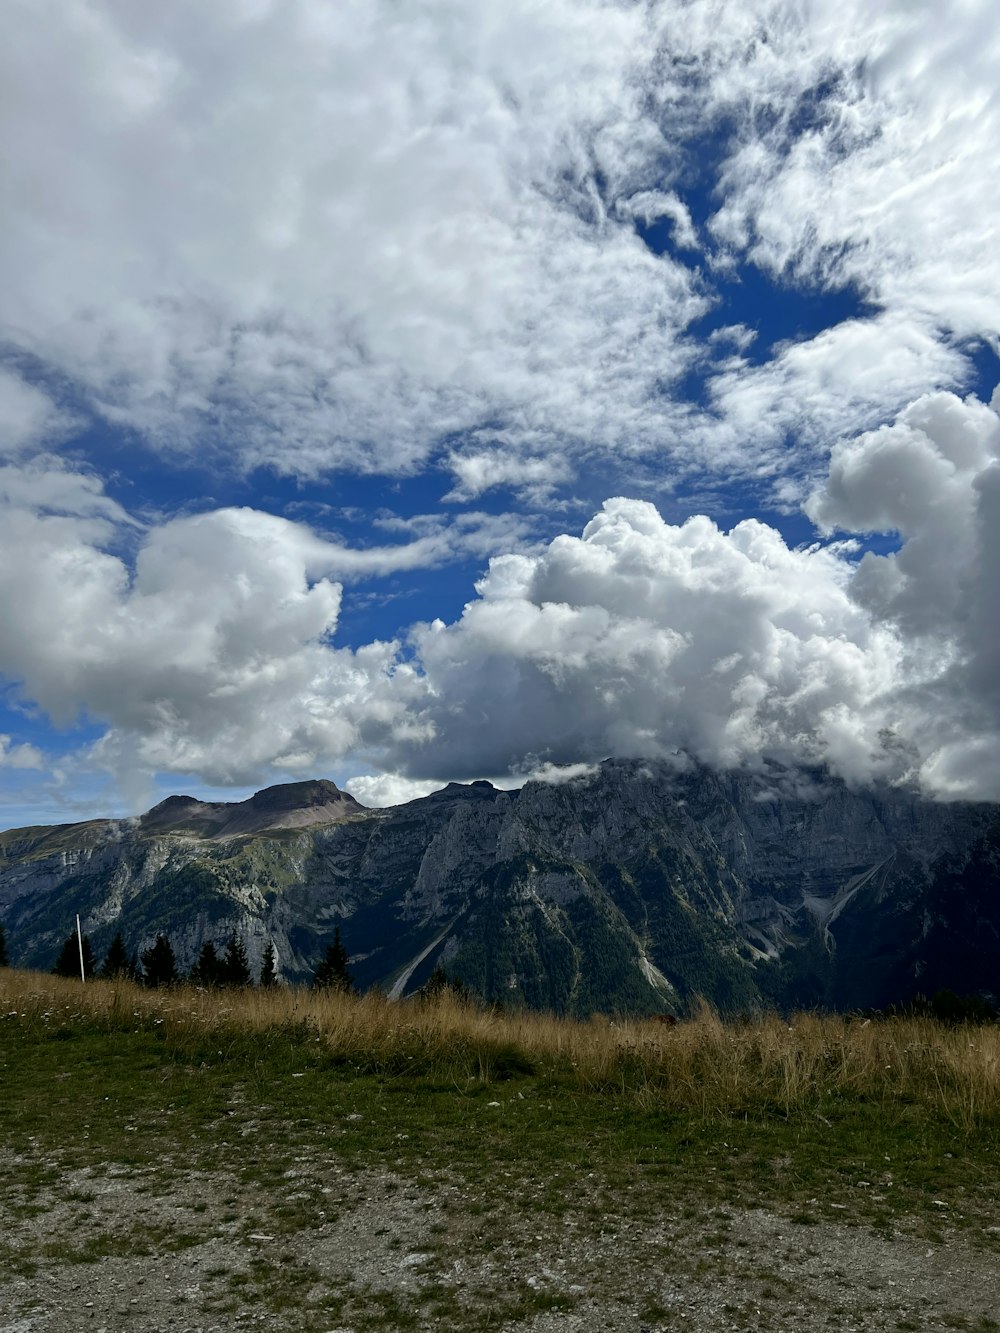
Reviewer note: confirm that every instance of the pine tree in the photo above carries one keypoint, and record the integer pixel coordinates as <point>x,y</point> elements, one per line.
<point>332,973</point>
<point>68,962</point>
<point>235,964</point>
<point>4,961</point>
<point>159,965</point>
<point>439,982</point>
<point>117,965</point>
<point>268,968</point>
<point>435,985</point>
<point>207,971</point>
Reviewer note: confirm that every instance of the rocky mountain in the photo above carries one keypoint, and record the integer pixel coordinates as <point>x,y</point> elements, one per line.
<point>633,888</point>
<point>292,805</point>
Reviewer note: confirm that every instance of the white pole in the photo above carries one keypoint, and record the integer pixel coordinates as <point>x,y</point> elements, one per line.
<point>79,940</point>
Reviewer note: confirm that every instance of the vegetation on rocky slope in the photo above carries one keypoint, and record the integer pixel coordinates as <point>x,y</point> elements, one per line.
<point>631,892</point>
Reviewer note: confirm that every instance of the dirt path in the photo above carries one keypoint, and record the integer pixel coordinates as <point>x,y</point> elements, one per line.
<point>334,1251</point>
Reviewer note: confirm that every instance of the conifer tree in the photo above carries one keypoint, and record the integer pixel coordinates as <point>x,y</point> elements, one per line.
<point>68,962</point>
<point>4,961</point>
<point>435,985</point>
<point>268,968</point>
<point>235,964</point>
<point>207,971</point>
<point>332,973</point>
<point>439,982</point>
<point>159,965</point>
<point>117,964</point>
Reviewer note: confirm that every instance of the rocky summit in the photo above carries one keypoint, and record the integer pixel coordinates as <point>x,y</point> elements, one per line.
<point>633,888</point>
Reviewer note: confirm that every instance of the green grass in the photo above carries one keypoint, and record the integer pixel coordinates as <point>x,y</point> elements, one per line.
<point>131,1087</point>
<point>299,1115</point>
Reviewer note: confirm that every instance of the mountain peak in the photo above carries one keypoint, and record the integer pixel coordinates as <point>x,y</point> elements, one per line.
<point>462,791</point>
<point>286,805</point>
<point>298,795</point>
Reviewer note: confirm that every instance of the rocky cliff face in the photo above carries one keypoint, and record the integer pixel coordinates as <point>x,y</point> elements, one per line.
<point>631,889</point>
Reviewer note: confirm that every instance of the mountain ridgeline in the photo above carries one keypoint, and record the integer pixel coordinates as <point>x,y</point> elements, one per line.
<point>630,890</point>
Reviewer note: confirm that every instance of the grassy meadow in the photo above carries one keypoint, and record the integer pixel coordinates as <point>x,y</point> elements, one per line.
<point>704,1067</point>
<point>892,1124</point>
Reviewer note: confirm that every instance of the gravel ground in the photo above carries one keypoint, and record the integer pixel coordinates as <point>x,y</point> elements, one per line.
<point>336,1251</point>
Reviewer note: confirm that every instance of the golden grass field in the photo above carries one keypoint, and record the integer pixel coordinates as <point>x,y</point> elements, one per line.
<point>703,1065</point>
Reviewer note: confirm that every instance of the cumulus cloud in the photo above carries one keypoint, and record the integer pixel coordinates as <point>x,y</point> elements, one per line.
<point>640,637</point>
<point>205,644</point>
<point>643,638</point>
<point>933,478</point>
<point>925,477</point>
<point>313,237</point>
<point>214,652</point>
<point>382,789</point>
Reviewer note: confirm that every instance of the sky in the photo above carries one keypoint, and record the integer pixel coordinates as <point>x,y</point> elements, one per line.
<point>406,393</point>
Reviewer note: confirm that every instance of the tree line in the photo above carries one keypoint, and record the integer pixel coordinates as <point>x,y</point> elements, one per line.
<point>156,965</point>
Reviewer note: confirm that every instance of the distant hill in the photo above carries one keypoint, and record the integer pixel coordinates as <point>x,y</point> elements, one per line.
<point>631,889</point>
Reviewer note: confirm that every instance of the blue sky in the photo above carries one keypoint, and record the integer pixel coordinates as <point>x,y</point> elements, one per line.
<point>399,397</point>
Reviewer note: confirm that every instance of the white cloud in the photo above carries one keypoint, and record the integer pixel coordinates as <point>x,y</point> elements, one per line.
<point>28,417</point>
<point>651,206</point>
<point>350,229</point>
<point>204,643</point>
<point>385,789</point>
<point>870,168</point>
<point>642,638</point>
<point>212,657</point>
<point>382,789</point>
<point>322,236</point>
<point>933,477</point>
<point>558,774</point>
<point>834,384</point>
<point>380,238</point>
<point>922,477</point>
<point>216,654</point>
<point>482,470</point>
<point>47,484</point>
<point>19,756</point>
<point>861,134</point>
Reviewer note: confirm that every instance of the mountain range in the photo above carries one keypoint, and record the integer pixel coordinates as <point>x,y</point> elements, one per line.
<point>632,888</point>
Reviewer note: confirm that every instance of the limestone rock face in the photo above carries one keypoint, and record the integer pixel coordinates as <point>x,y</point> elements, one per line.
<point>630,889</point>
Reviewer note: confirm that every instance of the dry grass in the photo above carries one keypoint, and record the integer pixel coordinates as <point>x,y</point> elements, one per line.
<point>703,1065</point>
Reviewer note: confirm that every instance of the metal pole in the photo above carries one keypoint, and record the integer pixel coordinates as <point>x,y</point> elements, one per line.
<point>79,940</point>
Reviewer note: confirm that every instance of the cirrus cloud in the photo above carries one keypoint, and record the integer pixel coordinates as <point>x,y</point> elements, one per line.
<point>313,238</point>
